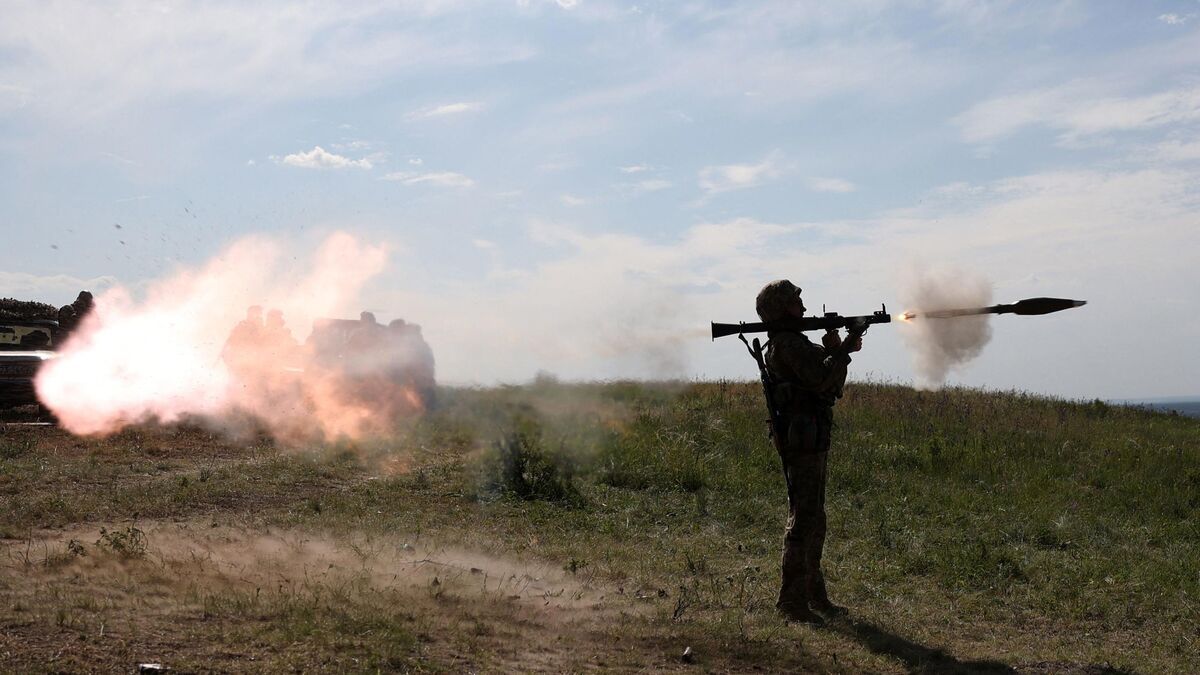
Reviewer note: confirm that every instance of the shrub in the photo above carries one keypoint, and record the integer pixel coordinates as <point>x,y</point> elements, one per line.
<point>520,465</point>
<point>127,543</point>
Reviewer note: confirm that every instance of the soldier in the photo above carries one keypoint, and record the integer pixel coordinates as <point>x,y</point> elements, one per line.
<point>243,340</point>
<point>808,380</point>
<point>277,339</point>
<point>83,305</point>
<point>72,315</point>
<point>412,359</point>
<point>67,319</point>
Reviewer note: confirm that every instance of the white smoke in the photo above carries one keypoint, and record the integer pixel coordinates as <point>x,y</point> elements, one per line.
<point>939,346</point>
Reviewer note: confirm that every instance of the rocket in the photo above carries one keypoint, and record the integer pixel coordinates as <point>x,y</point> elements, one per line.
<point>1026,307</point>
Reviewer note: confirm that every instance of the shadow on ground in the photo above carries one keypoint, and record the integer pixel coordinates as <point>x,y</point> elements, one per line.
<point>918,658</point>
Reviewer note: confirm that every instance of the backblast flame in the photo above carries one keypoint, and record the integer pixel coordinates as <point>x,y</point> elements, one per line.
<point>170,356</point>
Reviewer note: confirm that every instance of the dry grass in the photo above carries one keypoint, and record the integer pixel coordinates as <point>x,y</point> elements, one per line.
<point>607,527</point>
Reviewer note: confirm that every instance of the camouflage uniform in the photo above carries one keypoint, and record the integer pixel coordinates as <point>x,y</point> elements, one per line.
<point>808,380</point>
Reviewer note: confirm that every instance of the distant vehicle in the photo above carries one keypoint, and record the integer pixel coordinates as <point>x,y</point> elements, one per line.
<point>25,345</point>
<point>365,351</point>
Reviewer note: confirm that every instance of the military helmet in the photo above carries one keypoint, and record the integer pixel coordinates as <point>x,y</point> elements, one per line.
<point>773,300</point>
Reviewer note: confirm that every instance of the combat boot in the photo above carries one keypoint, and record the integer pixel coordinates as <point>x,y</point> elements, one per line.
<point>798,612</point>
<point>818,597</point>
<point>793,591</point>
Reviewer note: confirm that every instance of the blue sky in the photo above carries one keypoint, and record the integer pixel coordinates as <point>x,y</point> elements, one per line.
<point>579,187</point>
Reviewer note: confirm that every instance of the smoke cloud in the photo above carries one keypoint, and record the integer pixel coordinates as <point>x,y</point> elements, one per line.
<point>939,346</point>
<point>170,355</point>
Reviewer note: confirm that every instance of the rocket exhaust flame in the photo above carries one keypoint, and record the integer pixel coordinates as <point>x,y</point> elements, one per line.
<point>161,358</point>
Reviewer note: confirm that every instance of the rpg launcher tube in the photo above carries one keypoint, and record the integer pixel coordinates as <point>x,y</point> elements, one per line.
<point>1026,307</point>
<point>829,321</point>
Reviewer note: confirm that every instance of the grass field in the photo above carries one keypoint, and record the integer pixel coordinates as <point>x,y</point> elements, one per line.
<point>557,527</point>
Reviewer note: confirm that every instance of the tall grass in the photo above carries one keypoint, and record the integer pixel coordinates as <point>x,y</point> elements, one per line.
<point>1013,502</point>
<point>1072,528</point>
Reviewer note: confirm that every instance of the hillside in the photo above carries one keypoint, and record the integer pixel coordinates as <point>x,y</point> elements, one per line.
<point>558,527</point>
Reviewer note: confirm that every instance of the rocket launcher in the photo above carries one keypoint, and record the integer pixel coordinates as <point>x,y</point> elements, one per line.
<point>857,325</point>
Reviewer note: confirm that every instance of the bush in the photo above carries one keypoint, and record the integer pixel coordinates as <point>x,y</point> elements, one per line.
<point>520,465</point>
<point>127,543</point>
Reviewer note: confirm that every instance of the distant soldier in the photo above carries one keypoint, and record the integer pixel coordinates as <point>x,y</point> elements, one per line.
<point>412,359</point>
<point>67,320</point>
<point>808,380</point>
<point>71,316</point>
<point>366,345</point>
<point>244,339</point>
<point>277,340</point>
<point>84,304</point>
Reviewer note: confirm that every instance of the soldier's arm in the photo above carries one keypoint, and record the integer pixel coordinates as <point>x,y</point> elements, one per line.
<point>815,368</point>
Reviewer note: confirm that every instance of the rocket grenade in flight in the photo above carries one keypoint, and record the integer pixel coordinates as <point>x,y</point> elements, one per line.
<point>1026,307</point>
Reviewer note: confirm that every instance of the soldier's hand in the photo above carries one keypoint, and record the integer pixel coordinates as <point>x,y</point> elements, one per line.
<point>854,345</point>
<point>831,339</point>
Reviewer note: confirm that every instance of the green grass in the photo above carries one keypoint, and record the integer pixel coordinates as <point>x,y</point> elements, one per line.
<point>968,529</point>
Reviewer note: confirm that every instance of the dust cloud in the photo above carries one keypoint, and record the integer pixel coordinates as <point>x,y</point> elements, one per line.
<point>939,346</point>
<point>166,356</point>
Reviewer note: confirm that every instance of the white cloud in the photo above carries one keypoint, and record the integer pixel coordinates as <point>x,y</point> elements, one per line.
<point>830,185</point>
<point>1177,151</point>
<point>1117,239</point>
<point>1077,110</point>
<point>560,164</point>
<point>644,289</point>
<point>642,187</point>
<point>445,110</point>
<point>320,158</point>
<point>483,243</point>
<point>714,179</point>
<point>351,145</point>
<point>653,185</point>
<point>118,158</point>
<point>1175,19</point>
<point>55,289</point>
<point>439,178</point>
<point>635,168</point>
<point>712,239</point>
<point>572,200</point>
<point>82,58</point>
<point>14,97</point>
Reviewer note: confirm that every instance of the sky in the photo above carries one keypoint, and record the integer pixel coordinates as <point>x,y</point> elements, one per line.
<point>578,187</point>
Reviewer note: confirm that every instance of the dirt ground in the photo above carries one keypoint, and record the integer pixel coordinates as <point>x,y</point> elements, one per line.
<point>209,553</point>
<point>112,560</point>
